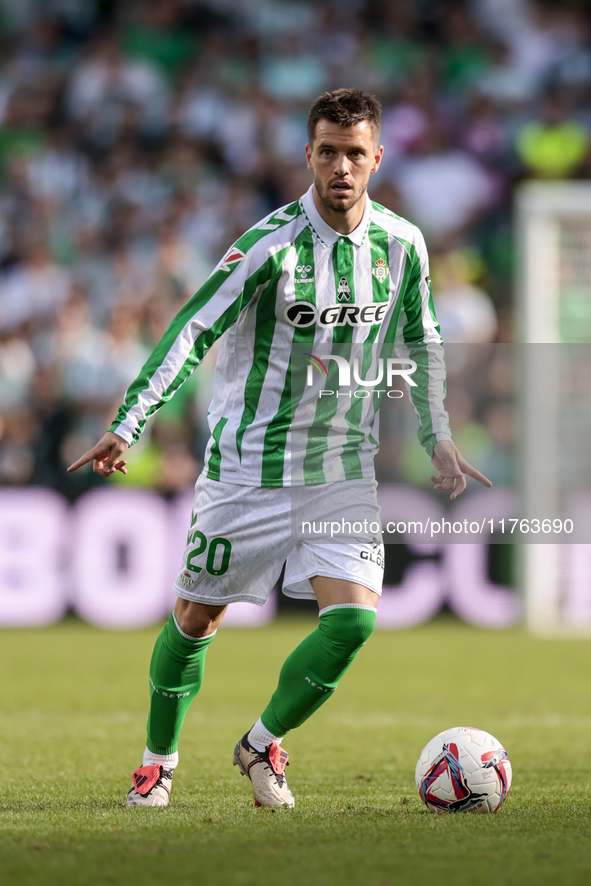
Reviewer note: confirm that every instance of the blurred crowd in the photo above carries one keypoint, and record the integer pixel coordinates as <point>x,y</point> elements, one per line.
<point>139,139</point>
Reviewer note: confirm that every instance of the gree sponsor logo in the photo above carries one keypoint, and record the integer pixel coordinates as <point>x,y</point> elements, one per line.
<point>302,314</point>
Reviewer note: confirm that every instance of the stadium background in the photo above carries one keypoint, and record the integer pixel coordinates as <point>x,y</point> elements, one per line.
<point>139,139</point>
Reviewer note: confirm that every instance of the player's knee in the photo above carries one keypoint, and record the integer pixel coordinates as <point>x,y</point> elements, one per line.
<point>197,619</point>
<point>348,627</point>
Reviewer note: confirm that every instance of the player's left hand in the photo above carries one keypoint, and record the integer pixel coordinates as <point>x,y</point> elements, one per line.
<point>452,469</point>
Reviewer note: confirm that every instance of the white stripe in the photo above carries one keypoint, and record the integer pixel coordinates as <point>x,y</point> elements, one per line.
<point>253,441</point>
<point>345,606</point>
<point>304,417</point>
<point>188,636</point>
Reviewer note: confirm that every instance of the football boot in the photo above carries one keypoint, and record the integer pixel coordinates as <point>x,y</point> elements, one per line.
<point>266,770</point>
<point>151,786</point>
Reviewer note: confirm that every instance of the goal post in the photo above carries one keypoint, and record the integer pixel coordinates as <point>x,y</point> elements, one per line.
<point>553,287</point>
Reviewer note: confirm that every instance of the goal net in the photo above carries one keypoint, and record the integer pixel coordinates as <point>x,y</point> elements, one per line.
<point>554,309</point>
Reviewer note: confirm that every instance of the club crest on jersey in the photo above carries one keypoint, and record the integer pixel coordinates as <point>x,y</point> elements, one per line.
<point>344,290</point>
<point>304,274</point>
<point>381,270</point>
<point>232,256</point>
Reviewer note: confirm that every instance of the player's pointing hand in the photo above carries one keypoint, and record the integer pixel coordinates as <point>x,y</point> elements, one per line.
<point>106,456</point>
<point>452,469</point>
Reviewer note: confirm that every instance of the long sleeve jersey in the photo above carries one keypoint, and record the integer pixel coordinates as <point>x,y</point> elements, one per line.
<point>293,286</point>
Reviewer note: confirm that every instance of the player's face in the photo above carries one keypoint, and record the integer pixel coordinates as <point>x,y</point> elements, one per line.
<point>342,160</point>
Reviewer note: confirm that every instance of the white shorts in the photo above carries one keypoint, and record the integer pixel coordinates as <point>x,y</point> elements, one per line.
<point>241,536</point>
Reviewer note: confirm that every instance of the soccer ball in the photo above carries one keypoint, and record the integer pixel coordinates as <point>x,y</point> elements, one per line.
<point>463,770</point>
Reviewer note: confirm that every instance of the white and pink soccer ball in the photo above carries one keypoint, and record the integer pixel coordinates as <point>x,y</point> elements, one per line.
<point>463,770</point>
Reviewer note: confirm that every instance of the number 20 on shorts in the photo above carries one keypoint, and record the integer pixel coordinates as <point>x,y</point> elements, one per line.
<point>219,549</point>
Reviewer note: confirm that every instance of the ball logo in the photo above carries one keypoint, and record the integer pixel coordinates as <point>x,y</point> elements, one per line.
<point>302,314</point>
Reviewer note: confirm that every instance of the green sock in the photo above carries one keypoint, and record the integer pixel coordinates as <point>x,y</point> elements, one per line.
<point>176,675</point>
<point>312,671</point>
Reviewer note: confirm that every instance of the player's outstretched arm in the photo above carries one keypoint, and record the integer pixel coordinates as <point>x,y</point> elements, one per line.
<point>452,469</point>
<point>106,456</point>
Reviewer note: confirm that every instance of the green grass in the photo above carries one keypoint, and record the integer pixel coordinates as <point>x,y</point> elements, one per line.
<point>72,730</point>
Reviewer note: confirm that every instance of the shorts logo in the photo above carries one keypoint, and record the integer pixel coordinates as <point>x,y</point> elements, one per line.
<point>344,290</point>
<point>231,257</point>
<point>381,270</point>
<point>376,555</point>
<point>187,579</point>
<point>302,314</point>
<point>304,274</point>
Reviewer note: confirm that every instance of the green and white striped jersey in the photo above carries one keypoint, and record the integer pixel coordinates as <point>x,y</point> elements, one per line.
<point>292,285</point>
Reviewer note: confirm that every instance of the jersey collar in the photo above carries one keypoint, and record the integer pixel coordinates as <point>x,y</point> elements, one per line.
<point>327,235</point>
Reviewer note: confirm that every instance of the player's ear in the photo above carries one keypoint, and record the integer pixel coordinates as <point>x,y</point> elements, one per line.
<point>309,157</point>
<point>379,153</point>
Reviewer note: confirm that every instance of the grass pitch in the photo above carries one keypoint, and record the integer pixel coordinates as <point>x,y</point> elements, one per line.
<point>72,720</point>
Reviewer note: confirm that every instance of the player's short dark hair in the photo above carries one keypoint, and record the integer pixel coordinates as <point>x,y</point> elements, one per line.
<point>347,107</point>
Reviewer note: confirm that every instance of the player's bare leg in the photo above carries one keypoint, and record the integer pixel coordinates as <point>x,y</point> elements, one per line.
<point>308,678</point>
<point>176,675</point>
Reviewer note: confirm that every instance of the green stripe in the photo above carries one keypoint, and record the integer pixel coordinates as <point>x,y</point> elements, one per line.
<point>355,436</point>
<point>414,330</point>
<point>343,264</point>
<point>379,243</point>
<point>378,239</point>
<point>390,336</point>
<point>266,320</point>
<point>214,462</point>
<point>413,334</point>
<point>273,463</point>
<point>317,444</point>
